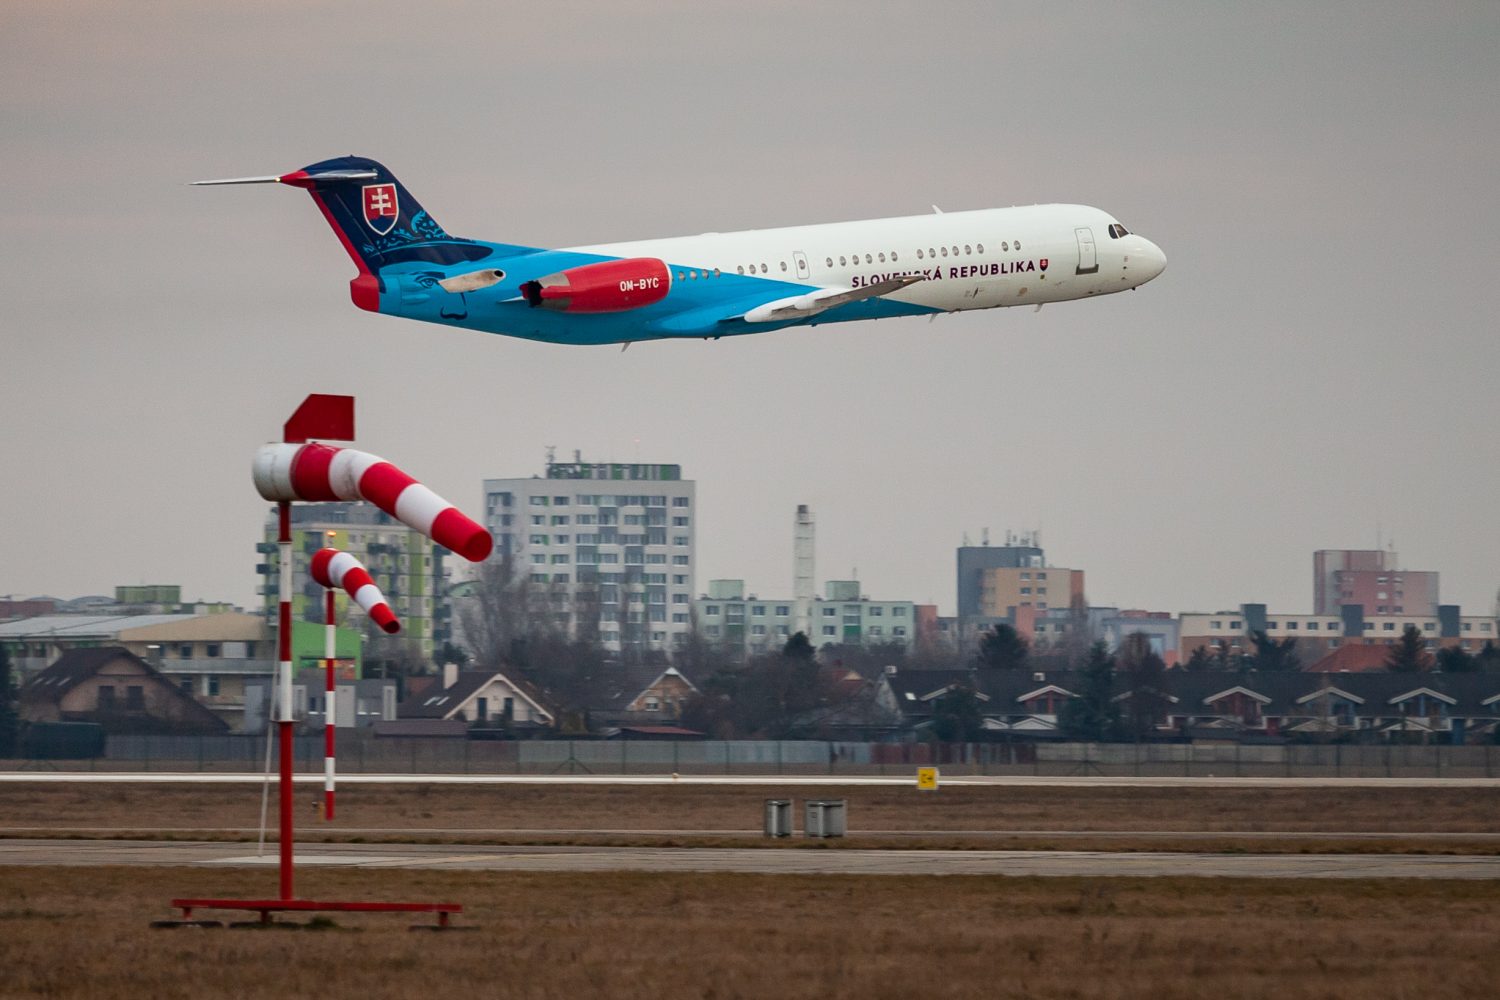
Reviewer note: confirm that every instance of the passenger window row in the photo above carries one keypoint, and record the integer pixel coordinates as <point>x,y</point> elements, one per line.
<point>932,253</point>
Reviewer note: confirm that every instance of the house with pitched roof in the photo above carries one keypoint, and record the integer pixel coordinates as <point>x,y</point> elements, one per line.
<point>1246,706</point>
<point>118,690</point>
<point>485,697</point>
<point>646,695</point>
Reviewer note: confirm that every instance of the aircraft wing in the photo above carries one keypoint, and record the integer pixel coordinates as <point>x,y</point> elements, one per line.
<point>797,307</point>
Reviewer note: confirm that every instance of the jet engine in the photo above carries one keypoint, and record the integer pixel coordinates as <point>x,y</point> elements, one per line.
<point>609,286</point>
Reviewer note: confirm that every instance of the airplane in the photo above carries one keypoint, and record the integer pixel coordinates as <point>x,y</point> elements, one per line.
<point>715,284</point>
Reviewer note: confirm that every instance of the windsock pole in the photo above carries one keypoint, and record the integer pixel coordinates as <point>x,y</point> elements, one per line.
<point>330,717</point>
<point>284,692</point>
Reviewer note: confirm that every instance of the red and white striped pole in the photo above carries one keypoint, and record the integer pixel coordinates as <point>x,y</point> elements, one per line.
<point>284,691</point>
<point>330,717</point>
<point>331,568</point>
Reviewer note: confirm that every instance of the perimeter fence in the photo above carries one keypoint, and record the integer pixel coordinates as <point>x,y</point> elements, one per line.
<point>367,755</point>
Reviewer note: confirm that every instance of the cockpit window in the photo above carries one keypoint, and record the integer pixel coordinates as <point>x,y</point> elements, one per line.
<point>1116,231</point>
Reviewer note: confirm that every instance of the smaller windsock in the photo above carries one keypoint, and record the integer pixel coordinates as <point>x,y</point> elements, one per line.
<point>318,472</point>
<point>332,568</point>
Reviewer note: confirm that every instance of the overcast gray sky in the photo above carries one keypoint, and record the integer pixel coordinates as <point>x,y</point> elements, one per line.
<point>1316,364</point>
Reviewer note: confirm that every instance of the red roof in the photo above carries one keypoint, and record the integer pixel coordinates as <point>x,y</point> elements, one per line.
<point>1356,658</point>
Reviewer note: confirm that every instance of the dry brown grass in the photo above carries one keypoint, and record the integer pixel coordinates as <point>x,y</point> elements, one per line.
<point>953,817</point>
<point>83,933</point>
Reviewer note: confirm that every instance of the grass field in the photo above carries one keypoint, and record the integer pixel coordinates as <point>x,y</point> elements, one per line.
<point>1081,818</point>
<point>83,933</point>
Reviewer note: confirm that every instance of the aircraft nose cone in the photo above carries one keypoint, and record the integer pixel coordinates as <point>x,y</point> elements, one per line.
<point>1152,257</point>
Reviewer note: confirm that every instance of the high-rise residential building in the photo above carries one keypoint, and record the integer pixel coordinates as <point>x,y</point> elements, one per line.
<point>409,568</point>
<point>1003,590</point>
<point>973,560</point>
<point>727,617</point>
<point>1372,579</point>
<point>612,543</point>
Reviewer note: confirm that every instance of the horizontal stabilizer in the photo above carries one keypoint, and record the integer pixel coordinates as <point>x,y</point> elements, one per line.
<point>298,178</point>
<point>802,306</point>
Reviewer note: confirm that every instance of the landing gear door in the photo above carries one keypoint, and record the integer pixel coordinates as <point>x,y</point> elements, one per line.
<point>802,270</point>
<point>1088,259</point>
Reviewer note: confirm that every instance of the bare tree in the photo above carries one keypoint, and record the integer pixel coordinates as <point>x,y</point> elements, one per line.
<point>498,612</point>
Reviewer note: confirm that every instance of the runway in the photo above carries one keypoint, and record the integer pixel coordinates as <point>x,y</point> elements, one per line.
<point>855,780</point>
<point>770,861</point>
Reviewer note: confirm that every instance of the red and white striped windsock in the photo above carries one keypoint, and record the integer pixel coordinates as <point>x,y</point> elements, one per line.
<point>332,568</point>
<point>318,472</point>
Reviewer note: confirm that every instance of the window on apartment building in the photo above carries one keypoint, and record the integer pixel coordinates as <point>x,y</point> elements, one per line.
<point>538,520</point>
<point>876,612</point>
<point>213,685</point>
<point>538,501</point>
<point>679,560</point>
<point>679,619</point>
<point>1291,626</point>
<point>679,539</point>
<point>757,630</point>
<point>679,522</point>
<point>899,612</point>
<point>1388,626</point>
<point>1312,626</point>
<point>1026,576</point>
<point>679,501</point>
<point>899,630</point>
<point>135,698</point>
<point>1271,626</point>
<point>711,609</point>
<point>782,610</point>
<point>830,612</point>
<point>1213,624</point>
<point>758,610</point>
<point>1235,626</point>
<point>559,501</point>
<point>1025,590</point>
<point>1428,626</point>
<point>876,630</point>
<point>830,630</point>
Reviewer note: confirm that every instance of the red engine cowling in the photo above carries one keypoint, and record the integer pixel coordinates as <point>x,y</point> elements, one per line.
<point>610,286</point>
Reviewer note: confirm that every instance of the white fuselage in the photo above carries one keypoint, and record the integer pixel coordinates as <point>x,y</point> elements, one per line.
<point>971,260</point>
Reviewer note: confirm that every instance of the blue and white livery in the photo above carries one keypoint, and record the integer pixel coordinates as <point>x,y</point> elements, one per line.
<point>715,284</point>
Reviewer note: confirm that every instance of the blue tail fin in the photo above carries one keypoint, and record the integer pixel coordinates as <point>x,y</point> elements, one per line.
<point>376,218</point>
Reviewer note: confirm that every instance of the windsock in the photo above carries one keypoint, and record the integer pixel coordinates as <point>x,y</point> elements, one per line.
<point>319,472</point>
<point>332,568</point>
